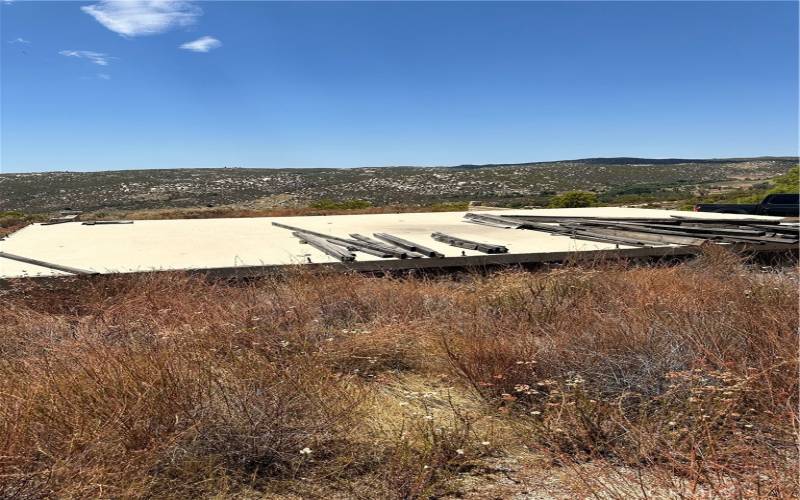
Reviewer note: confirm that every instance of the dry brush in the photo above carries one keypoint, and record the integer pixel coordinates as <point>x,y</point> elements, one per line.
<point>166,385</point>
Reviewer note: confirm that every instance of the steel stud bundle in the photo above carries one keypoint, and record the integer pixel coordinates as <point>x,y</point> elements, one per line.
<point>648,232</point>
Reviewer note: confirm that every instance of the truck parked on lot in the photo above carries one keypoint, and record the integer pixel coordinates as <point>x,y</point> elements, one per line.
<point>781,205</point>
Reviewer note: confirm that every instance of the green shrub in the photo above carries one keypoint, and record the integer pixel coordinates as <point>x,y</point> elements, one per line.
<point>12,218</point>
<point>787,183</point>
<point>574,199</point>
<point>327,204</point>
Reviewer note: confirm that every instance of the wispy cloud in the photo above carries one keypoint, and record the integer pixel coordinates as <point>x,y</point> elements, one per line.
<point>143,17</point>
<point>95,57</point>
<point>104,76</point>
<point>20,40</point>
<point>203,44</point>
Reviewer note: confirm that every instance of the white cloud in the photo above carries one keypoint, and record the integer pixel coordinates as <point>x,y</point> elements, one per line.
<point>95,57</point>
<point>203,44</point>
<point>20,40</point>
<point>143,17</point>
<point>104,76</point>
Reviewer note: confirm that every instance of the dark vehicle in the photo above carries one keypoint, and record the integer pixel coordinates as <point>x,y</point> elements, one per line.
<point>781,205</point>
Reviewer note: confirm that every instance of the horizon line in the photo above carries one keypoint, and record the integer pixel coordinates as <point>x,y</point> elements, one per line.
<point>461,165</point>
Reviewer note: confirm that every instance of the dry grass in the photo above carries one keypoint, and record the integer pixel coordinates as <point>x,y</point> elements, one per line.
<point>674,380</point>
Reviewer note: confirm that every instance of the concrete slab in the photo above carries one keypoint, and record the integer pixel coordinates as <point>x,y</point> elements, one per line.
<point>252,243</point>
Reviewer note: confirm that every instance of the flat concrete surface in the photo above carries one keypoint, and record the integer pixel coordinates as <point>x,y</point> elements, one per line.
<point>197,244</point>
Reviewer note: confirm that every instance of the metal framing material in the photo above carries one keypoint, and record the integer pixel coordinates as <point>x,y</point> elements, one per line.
<point>41,263</point>
<point>105,222</point>
<point>647,238</point>
<point>408,245</point>
<point>469,244</point>
<point>642,232</point>
<point>392,250</point>
<point>325,246</point>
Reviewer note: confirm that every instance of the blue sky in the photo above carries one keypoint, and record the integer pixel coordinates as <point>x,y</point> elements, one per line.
<point>166,84</point>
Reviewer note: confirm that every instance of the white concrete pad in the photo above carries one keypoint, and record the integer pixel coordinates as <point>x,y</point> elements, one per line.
<point>196,244</point>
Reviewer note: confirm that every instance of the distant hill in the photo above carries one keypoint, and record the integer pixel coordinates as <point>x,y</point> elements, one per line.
<point>624,160</point>
<point>525,183</point>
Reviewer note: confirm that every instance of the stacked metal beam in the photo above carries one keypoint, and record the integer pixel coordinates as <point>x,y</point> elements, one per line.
<point>325,246</point>
<point>408,245</point>
<point>390,247</point>
<point>648,232</point>
<point>469,244</point>
<point>63,216</point>
<point>639,232</point>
